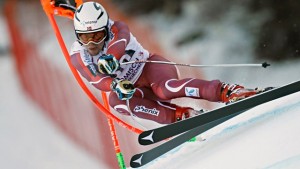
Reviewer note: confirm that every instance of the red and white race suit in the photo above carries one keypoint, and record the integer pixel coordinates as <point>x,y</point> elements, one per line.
<point>156,84</point>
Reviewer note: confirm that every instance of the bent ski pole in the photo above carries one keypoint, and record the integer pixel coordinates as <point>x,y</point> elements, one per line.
<point>264,65</point>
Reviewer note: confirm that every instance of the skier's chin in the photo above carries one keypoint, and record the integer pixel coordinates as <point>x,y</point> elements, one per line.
<point>94,50</point>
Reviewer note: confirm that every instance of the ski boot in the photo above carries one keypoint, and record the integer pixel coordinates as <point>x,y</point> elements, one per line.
<point>186,112</point>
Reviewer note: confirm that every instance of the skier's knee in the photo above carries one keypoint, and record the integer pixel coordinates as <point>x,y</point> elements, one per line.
<point>117,104</point>
<point>160,91</point>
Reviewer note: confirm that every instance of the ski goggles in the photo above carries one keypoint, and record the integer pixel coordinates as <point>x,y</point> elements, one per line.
<point>93,37</point>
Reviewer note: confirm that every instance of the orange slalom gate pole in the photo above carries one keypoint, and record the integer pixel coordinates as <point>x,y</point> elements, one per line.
<point>113,133</point>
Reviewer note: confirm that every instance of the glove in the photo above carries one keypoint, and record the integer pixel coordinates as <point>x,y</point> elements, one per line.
<point>232,93</point>
<point>123,88</point>
<point>107,64</point>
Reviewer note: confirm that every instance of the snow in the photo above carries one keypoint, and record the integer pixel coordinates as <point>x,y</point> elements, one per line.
<point>264,137</point>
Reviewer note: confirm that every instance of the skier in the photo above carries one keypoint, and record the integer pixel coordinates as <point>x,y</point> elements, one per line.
<point>102,44</point>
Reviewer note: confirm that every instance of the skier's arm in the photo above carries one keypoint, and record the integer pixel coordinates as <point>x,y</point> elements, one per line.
<point>121,38</point>
<point>89,72</point>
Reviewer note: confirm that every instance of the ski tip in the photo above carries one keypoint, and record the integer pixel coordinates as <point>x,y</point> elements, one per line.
<point>146,138</point>
<point>265,65</point>
<point>136,161</point>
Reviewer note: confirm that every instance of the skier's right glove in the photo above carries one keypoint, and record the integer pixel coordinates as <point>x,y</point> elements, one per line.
<point>123,88</point>
<point>107,64</point>
<point>232,93</point>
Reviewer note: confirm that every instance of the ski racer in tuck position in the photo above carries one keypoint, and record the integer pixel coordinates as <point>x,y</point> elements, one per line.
<point>102,44</point>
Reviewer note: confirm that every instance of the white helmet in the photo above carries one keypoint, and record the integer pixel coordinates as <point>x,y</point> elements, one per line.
<point>90,17</point>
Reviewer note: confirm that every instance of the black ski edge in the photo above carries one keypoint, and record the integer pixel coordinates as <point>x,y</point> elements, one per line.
<point>191,123</point>
<point>142,159</point>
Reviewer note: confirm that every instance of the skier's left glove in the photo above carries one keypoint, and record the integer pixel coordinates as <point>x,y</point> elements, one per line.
<point>232,93</point>
<point>123,88</point>
<point>107,64</point>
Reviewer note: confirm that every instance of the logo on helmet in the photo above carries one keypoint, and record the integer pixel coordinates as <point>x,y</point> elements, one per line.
<point>90,22</point>
<point>82,23</point>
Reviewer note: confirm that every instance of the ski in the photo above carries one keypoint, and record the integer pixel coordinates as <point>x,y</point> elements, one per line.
<point>141,159</point>
<point>162,133</point>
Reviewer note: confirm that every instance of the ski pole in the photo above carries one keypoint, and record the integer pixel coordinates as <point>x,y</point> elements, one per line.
<point>264,65</point>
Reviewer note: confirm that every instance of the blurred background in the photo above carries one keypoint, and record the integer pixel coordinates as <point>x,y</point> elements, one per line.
<point>47,120</point>
<point>273,24</point>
